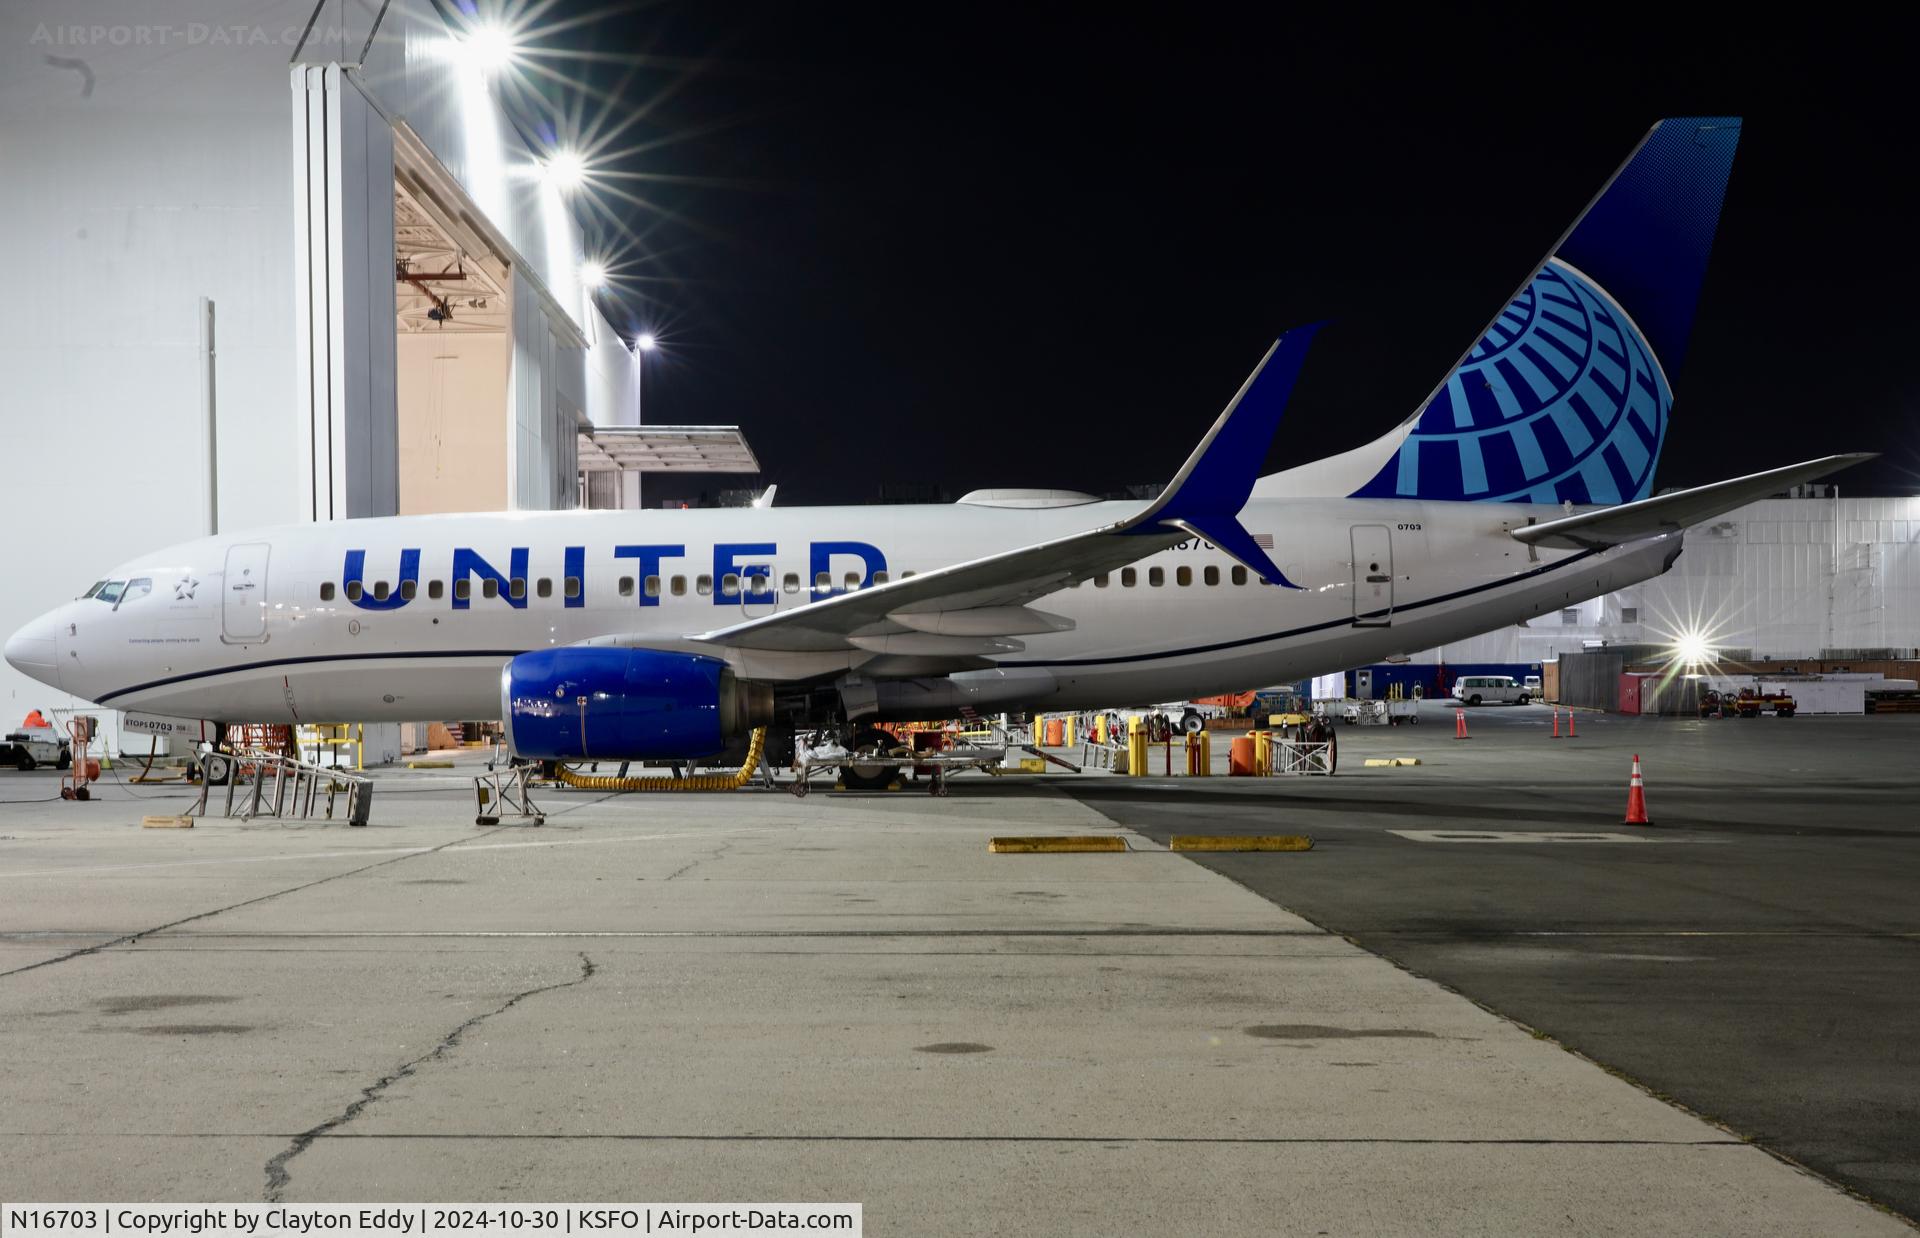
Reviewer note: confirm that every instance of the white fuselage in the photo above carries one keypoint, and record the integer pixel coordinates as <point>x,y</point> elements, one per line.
<point>261,626</point>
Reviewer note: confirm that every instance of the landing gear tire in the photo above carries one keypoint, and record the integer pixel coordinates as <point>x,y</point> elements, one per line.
<point>1192,723</point>
<point>857,777</point>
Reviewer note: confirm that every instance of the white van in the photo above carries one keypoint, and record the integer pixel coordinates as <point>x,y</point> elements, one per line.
<point>1479,689</point>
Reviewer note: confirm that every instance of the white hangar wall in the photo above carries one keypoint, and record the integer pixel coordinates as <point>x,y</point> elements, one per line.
<point>1781,578</point>
<point>152,156</point>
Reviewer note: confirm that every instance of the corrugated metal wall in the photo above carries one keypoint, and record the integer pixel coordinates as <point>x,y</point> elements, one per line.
<point>1591,680</point>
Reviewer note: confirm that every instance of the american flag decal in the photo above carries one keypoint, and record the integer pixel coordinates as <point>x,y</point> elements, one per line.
<point>1263,540</point>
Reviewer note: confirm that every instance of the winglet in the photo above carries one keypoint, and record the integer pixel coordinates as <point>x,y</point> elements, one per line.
<point>1206,496</point>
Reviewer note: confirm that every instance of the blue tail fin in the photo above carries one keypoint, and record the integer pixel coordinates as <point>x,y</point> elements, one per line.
<point>1566,395</point>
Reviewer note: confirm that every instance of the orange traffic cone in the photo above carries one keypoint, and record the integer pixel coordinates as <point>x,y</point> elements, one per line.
<point>1636,797</point>
<point>1571,734</point>
<point>1460,724</point>
<point>1556,724</point>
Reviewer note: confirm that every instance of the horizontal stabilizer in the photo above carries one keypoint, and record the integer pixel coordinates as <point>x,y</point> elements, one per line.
<point>1666,513</point>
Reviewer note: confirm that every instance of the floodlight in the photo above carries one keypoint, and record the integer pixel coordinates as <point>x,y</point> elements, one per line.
<point>565,170</point>
<point>488,46</point>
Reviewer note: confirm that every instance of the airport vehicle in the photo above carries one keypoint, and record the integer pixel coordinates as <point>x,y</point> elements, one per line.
<point>1745,704</point>
<point>1519,487</point>
<point>1479,689</point>
<point>31,746</point>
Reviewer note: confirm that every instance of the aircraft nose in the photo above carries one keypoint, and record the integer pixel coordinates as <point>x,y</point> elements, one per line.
<point>31,651</point>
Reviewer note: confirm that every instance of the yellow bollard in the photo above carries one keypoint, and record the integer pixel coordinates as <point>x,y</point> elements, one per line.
<point>1136,747</point>
<point>1099,728</point>
<point>1206,754</point>
<point>1067,734</point>
<point>1263,753</point>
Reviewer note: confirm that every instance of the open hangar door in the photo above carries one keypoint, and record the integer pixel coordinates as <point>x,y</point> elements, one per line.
<point>452,296</point>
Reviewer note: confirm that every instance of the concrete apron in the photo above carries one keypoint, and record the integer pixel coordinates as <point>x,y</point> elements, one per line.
<point>750,997</point>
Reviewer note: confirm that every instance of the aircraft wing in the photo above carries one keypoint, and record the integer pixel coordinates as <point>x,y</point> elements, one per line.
<point>1203,500</point>
<point>1667,513</point>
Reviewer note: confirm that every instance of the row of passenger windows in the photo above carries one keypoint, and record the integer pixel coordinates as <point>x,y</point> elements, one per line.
<point>730,586</point>
<point>1182,576</point>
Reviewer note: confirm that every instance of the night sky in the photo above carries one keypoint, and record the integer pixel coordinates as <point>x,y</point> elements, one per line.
<point>916,251</point>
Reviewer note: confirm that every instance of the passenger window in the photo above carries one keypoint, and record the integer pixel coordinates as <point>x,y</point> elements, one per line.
<point>1239,575</point>
<point>907,573</point>
<point>1210,575</point>
<point>573,587</point>
<point>326,591</point>
<point>791,583</point>
<point>1128,578</point>
<point>823,582</point>
<point>679,586</point>
<point>853,580</point>
<point>1101,581</point>
<point>653,586</point>
<point>544,587</point>
<point>490,588</point>
<point>407,589</point>
<point>756,583</point>
<point>703,585</point>
<point>436,590</point>
<point>379,590</point>
<point>463,589</point>
<point>626,586</point>
<point>879,578</point>
<point>1156,577</point>
<point>518,586</point>
<point>1183,576</point>
<point>354,591</point>
<point>730,585</point>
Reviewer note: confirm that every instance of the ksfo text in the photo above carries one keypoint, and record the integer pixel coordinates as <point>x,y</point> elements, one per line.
<point>421,1220</point>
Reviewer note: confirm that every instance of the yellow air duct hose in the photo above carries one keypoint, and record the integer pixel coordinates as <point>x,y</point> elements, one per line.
<point>694,782</point>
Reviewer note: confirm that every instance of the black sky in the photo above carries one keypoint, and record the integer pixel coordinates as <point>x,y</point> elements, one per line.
<point>1001,246</point>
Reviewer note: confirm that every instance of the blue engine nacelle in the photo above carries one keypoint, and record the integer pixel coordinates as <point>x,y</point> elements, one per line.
<point>595,703</point>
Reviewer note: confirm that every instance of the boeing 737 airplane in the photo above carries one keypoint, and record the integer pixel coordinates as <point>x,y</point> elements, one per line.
<point>1523,484</point>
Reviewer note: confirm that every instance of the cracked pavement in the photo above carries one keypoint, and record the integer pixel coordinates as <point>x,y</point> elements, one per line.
<point>748,996</point>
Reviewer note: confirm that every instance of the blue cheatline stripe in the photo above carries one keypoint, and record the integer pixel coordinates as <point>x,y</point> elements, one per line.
<point>309,661</point>
<point>1138,657</point>
<point>1316,627</point>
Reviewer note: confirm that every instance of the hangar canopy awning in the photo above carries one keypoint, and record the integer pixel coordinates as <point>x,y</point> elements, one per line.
<point>665,449</point>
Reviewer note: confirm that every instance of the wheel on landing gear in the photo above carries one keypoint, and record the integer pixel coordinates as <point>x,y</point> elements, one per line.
<point>857,777</point>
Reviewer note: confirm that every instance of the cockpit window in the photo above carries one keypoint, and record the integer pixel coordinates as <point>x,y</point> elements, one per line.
<point>96,588</point>
<point>111,590</point>
<point>136,589</point>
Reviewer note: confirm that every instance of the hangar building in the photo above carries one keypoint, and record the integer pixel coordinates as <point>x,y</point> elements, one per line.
<point>300,263</point>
